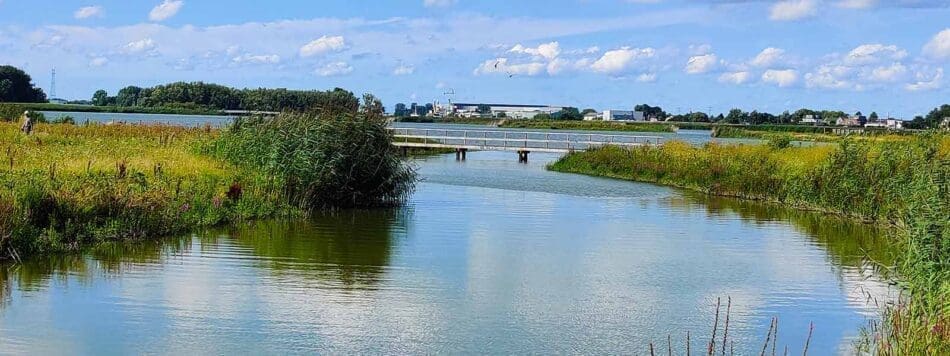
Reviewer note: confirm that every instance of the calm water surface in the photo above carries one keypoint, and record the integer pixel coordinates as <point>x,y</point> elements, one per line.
<point>489,257</point>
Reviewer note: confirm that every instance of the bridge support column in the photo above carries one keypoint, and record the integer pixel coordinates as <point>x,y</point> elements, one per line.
<point>460,154</point>
<point>523,156</point>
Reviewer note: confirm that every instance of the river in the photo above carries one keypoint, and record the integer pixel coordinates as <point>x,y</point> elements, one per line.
<point>489,257</point>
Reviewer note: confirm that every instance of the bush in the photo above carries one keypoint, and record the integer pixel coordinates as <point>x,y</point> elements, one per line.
<point>780,142</point>
<point>65,120</point>
<point>328,159</point>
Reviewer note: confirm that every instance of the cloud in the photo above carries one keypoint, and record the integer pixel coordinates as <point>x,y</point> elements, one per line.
<point>829,76</point>
<point>437,3</point>
<point>768,57</point>
<point>323,45</point>
<point>404,70</point>
<point>165,10</point>
<point>874,53</point>
<point>926,81</point>
<point>646,78</point>
<point>889,74</point>
<point>939,45</point>
<point>257,59</point>
<point>856,4</point>
<point>98,62</point>
<point>783,78</point>
<point>618,60</point>
<point>702,64</point>
<point>140,46</point>
<point>334,69</point>
<point>502,66</point>
<point>548,50</point>
<point>557,66</point>
<point>790,10</point>
<point>736,78</point>
<point>88,12</point>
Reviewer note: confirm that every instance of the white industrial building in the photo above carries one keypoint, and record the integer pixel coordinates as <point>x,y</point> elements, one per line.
<point>623,115</point>
<point>513,111</point>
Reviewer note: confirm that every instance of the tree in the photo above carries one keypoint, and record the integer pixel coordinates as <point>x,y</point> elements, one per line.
<point>400,110</point>
<point>588,111</point>
<point>873,116</point>
<point>100,98</point>
<point>17,86</point>
<point>128,96</point>
<point>651,111</point>
<point>542,116</point>
<point>736,116</point>
<point>569,113</point>
<point>933,119</point>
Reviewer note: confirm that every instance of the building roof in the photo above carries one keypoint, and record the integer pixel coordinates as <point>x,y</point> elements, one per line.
<point>508,105</point>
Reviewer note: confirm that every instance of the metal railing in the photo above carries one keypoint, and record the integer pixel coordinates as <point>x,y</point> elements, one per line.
<point>515,140</point>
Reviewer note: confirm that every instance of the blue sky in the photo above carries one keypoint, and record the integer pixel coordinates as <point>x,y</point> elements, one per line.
<point>868,55</point>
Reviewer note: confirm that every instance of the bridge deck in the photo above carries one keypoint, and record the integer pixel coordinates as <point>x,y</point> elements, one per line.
<point>498,140</point>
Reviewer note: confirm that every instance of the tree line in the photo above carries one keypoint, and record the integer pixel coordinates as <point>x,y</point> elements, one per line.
<point>200,95</point>
<point>17,87</point>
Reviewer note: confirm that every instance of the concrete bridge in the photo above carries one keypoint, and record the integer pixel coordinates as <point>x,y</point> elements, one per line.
<point>522,142</point>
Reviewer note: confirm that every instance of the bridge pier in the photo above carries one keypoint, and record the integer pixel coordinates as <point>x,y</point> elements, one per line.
<point>460,154</point>
<point>523,156</point>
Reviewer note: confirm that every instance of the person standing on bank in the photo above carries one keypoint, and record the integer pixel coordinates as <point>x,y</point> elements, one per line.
<point>27,126</point>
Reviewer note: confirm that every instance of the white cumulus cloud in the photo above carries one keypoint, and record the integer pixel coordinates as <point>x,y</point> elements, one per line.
<point>323,45</point>
<point>503,66</point>
<point>616,61</point>
<point>88,12</point>
<point>333,69</point>
<point>702,64</point>
<point>257,59</point>
<point>939,45</point>
<point>98,62</point>
<point>925,81</point>
<point>790,10</point>
<point>781,77</point>
<point>646,78</point>
<point>874,53</point>
<point>547,50</point>
<point>768,57</point>
<point>140,46</point>
<point>404,70</point>
<point>165,10</point>
<point>736,78</point>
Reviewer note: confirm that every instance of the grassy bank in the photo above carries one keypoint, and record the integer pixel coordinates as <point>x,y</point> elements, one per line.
<point>67,186</point>
<point>589,125</point>
<point>905,183</point>
<point>804,133</point>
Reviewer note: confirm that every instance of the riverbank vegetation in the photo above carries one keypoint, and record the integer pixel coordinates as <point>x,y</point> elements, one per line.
<point>589,125</point>
<point>200,96</point>
<point>67,186</point>
<point>904,183</point>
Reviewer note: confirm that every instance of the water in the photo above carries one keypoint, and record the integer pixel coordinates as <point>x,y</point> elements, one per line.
<point>167,119</point>
<point>691,136</point>
<point>489,257</point>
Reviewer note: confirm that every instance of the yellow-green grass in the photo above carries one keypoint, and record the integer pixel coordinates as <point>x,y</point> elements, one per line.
<point>66,186</point>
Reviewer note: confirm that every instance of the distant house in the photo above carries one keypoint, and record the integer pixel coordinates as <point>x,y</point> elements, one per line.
<point>623,115</point>
<point>853,121</point>
<point>593,116</point>
<point>810,120</point>
<point>892,124</point>
<point>58,101</point>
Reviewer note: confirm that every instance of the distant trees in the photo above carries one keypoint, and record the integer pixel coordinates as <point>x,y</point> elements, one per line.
<point>568,113</point>
<point>933,120</point>
<point>651,111</point>
<point>873,116</point>
<point>401,110</point>
<point>200,95</point>
<point>17,86</point>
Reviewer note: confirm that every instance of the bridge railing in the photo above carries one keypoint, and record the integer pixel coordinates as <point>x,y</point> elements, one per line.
<point>502,139</point>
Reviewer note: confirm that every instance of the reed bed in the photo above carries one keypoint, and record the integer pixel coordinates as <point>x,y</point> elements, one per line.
<point>903,183</point>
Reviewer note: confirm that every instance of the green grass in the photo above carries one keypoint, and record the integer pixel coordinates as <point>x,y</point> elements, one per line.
<point>67,186</point>
<point>901,182</point>
<point>589,125</point>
